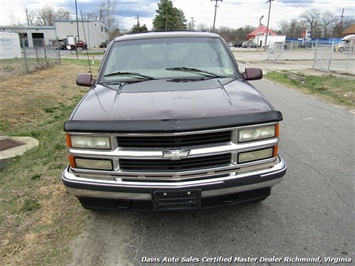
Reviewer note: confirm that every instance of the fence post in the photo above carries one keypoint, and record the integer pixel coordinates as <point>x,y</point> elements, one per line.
<point>24,54</point>
<point>331,56</point>
<point>315,54</point>
<point>45,51</point>
<point>58,46</point>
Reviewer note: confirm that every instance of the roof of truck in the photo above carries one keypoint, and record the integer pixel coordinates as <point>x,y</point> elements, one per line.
<point>166,34</point>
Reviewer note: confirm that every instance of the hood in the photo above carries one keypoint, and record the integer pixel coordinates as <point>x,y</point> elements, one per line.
<point>169,100</point>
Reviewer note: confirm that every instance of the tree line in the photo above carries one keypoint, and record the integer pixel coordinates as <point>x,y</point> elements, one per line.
<point>319,24</point>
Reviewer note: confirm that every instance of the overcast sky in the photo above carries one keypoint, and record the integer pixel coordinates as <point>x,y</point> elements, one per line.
<point>230,13</point>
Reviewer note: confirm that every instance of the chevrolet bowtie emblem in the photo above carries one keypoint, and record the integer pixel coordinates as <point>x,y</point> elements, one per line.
<point>175,154</point>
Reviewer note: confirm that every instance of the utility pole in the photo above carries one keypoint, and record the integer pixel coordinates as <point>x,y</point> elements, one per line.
<point>77,29</point>
<point>193,23</point>
<point>341,24</point>
<point>267,26</point>
<point>138,21</point>
<point>28,22</point>
<point>215,13</point>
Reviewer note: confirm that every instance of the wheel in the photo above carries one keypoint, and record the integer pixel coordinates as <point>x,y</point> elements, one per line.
<point>341,49</point>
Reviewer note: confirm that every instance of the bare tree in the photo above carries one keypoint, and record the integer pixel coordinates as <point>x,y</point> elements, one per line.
<point>312,17</point>
<point>45,16</point>
<point>202,27</point>
<point>283,26</point>
<point>107,13</point>
<point>13,20</point>
<point>62,14</point>
<point>31,15</point>
<point>328,20</point>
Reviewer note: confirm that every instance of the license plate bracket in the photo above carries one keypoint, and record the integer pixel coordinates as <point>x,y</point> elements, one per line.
<point>171,200</point>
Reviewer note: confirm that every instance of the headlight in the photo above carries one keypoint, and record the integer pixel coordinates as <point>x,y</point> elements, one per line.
<point>257,133</point>
<point>89,142</point>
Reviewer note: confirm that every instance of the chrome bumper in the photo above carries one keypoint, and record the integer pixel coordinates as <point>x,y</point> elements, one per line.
<point>142,190</point>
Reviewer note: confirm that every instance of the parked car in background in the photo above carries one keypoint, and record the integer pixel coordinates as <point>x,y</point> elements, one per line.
<point>170,124</point>
<point>238,44</point>
<point>248,44</point>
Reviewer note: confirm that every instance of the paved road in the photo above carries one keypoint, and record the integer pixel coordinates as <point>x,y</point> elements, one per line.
<point>309,214</point>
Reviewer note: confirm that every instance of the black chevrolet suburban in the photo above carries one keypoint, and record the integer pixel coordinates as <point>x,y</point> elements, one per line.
<point>171,124</point>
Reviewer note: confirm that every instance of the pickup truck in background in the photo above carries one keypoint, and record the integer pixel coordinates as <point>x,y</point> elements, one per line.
<point>170,124</point>
<point>71,43</point>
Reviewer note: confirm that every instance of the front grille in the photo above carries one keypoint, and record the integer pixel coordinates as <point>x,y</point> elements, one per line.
<point>178,141</point>
<point>185,164</point>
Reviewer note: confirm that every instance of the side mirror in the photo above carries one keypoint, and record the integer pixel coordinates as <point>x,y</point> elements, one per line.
<point>85,80</point>
<point>252,74</point>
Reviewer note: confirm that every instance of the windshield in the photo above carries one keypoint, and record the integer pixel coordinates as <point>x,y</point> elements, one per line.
<point>156,58</point>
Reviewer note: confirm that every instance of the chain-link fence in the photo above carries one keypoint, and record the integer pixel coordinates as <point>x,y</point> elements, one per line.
<point>276,52</point>
<point>329,58</point>
<point>33,58</point>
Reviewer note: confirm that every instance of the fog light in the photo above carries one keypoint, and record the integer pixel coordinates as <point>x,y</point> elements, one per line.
<point>255,155</point>
<point>93,164</point>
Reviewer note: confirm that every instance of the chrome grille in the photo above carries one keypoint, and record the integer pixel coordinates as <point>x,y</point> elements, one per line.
<point>174,141</point>
<point>186,164</point>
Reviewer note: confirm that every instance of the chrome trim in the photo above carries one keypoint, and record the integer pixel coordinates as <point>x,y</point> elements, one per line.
<point>118,182</point>
<point>176,175</point>
<point>157,154</point>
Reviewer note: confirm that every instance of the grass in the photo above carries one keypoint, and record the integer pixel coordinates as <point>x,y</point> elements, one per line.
<point>37,217</point>
<point>337,90</point>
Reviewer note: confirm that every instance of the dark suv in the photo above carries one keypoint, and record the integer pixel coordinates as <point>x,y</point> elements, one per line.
<point>171,124</point>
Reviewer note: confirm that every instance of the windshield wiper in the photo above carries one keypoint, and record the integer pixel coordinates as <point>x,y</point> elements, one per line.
<point>196,70</point>
<point>136,74</point>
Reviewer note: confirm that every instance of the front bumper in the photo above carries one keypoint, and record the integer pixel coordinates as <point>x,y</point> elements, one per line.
<point>236,187</point>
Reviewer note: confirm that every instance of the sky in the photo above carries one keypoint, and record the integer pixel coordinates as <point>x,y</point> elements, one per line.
<point>230,13</point>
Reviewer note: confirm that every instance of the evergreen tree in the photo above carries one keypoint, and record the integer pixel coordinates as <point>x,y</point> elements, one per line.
<point>169,17</point>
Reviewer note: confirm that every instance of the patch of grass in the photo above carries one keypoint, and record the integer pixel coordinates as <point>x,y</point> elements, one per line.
<point>36,214</point>
<point>31,205</point>
<point>338,90</point>
<point>83,62</point>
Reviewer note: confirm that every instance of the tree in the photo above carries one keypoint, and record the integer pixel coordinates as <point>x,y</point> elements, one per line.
<point>312,17</point>
<point>202,27</point>
<point>283,26</point>
<point>47,14</point>
<point>242,32</point>
<point>138,28</point>
<point>342,25</point>
<point>106,13</point>
<point>169,17</point>
<point>328,20</point>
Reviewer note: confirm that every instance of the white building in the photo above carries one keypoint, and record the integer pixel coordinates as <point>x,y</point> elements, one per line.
<point>92,32</point>
<point>32,35</point>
